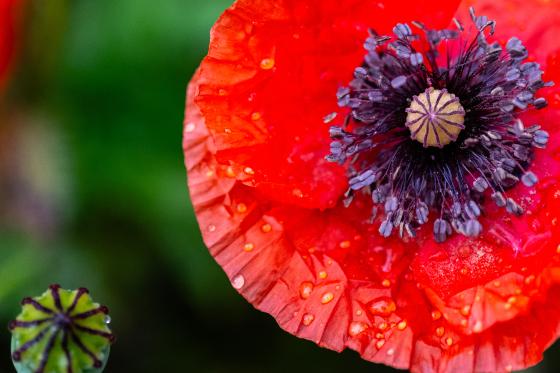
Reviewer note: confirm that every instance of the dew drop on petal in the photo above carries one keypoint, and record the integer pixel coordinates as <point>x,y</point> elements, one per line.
<point>249,246</point>
<point>440,331</point>
<point>402,325</point>
<point>238,282</point>
<point>249,171</point>
<point>241,208</point>
<point>356,328</point>
<point>477,328</point>
<point>297,193</point>
<point>383,306</point>
<point>308,319</point>
<point>211,228</point>
<point>529,279</point>
<point>266,228</point>
<point>305,289</point>
<point>256,116</point>
<point>383,326</point>
<point>344,244</point>
<point>190,127</point>
<point>391,351</point>
<point>436,315</point>
<point>327,297</point>
<point>379,344</point>
<point>465,311</point>
<point>267,63</point>
<point>323,275</point>
<point>229,172</point>
<point>449,341</point>
<point>386,283</point>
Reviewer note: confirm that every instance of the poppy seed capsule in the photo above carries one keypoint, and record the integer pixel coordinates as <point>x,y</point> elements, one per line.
<point>435,118</point>
<point>61,331</point>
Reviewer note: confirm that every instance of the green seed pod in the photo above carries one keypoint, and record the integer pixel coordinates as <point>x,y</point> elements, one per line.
<point>61,331</point>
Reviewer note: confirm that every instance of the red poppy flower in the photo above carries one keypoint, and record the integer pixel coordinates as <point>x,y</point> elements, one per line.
<point>8,15</point>
<point>421,229</point>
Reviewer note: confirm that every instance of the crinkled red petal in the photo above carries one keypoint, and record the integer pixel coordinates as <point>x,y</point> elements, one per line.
<point>277,227</point>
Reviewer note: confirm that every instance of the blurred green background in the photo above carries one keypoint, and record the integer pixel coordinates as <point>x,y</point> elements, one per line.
<point>93,192</point>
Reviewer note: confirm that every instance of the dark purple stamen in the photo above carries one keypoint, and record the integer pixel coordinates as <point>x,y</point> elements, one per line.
<point>422,137</point>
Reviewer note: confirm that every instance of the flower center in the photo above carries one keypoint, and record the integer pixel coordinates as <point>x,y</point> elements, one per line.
<point>418,151</point>
<point>435,118</point>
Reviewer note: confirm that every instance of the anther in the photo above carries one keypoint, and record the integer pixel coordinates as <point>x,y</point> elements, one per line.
<point>435,118</point>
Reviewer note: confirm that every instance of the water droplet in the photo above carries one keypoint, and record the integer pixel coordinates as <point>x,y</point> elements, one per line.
<point>391,351</point>
<point>238,282</point>
<point>248,246</point>
<point>323,275</point>
<point>297,193</point>
<point>327,297</point>
<point>379,344</point>
<point>209,173</point>
<point>222,92</point>
<point>266,228</point>
<point>308,319</point>
<point>107,319</point>
<point>190,127</point>
<point>383,326</point>
<point>344,244</point>
<point>230,172</point>
<point>383,306</point>
<point>529,279</point>
<point>241,208</point>
<point>436,315</point>
<point>477,328</point>
<point>356,328</point>
<point>267,63</point>
<point>449,341</point>
<point>359,313</point>
<point>466,310</point>
<point>305,289</point>
<point>256,116</point>
<point>386,283</point>
<point>440,331</point>
<point>464,271</point>
<point>211,228</point>
<point>497,284</point>
<point>249,171</point>
<point>380,336</point>
<point>402,325</point>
